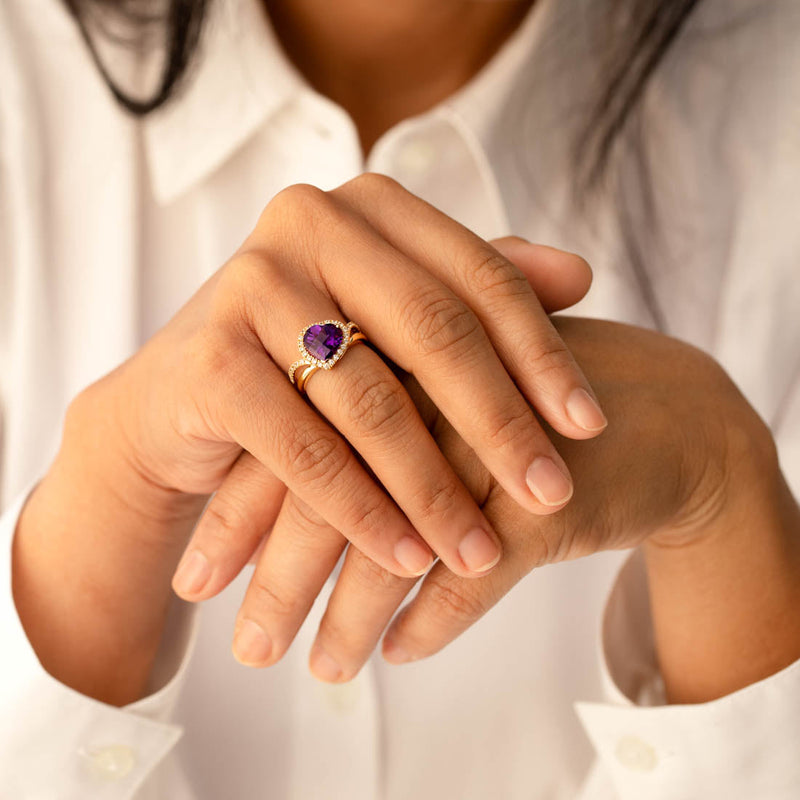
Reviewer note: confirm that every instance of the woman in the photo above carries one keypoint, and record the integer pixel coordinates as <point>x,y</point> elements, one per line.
<point>170,392</point>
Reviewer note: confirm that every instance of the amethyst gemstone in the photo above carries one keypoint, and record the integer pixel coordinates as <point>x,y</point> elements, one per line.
<point>322,341</point>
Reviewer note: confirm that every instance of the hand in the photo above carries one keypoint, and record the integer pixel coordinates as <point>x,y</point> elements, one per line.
<point>437,300</point>
<point>302,547</point>
<point>664,471</point>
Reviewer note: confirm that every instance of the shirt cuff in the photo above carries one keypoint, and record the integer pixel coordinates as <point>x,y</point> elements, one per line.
<point>738,747</point>
<point>58,743</point>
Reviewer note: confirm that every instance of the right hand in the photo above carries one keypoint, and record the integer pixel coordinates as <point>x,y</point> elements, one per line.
<point>207,401</point>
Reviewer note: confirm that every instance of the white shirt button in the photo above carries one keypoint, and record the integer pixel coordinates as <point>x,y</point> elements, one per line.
<point>341,698</point>
<point>322,130</point>
<point>415,157</point>
<point>636,755</point>
<point>111,762</point>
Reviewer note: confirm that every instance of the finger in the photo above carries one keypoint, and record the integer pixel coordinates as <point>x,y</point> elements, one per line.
<point>365,401</point>
<point>428,331</point>
<point>369,405</point>
<point>264,413</point>
<point>558,279</point>
<point>499,294</point>
<point>360,607</point>
<point>446,605</point>
<point>297,558</point>
<point>235,521</point>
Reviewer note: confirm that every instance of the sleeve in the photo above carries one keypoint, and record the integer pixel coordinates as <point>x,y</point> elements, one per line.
<point>739,747</point>
<point>56,743</point>
<point>742,746</point>
<point>745,745</point>
<point>60,744</point>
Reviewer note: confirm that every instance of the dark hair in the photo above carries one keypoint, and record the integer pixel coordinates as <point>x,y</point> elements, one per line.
<point>643,33</point>
<point>176,23</point>
<point>634,37</point>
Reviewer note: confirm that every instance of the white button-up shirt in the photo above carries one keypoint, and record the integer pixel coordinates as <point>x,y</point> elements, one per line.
<point>108,224</point>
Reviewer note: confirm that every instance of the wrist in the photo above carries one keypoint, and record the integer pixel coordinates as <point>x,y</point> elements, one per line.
<point>116,538</point>
<point>723,591</point>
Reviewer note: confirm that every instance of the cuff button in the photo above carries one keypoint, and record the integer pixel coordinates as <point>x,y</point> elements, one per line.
<point>635,754</point>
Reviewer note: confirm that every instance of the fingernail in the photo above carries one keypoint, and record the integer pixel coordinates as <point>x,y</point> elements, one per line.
<point>324,667</point>
<point>550,485</point>
<point>192,574</point>
<point>413,556</point>
<point>252,646</point>
<point>584,411</point>
<point>478,551</point>
<point>394,654</point>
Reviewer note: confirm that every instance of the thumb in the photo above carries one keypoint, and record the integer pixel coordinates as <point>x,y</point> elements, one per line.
<point>560,279</point>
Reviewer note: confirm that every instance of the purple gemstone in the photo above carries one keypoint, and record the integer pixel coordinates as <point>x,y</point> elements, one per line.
<point>322,341</point>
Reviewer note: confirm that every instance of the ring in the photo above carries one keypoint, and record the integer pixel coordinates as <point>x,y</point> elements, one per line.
<point>321,345</point>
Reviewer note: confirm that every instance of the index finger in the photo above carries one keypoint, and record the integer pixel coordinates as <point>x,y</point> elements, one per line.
<point>499,294</point>
<point>447,605</point>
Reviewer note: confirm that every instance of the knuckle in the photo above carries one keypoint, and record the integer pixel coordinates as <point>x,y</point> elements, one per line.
<point>207,355</point>
<point>303,517</point>
<point>297,220</point>
<point>252,268</point>
<point>551,357</point>
<point>365,520</point>
<point>372,576</point>
<point>337,633</point>
<point>376,403</point>
<point>315,458</point>
<point>264,594</point>
<point>370,184</point>
<point>494,274</point>
<point>224,520</point>
<point>297,200</point>
<point>246,281</point>
<point>441,323</point>
<point>513,428</point>
<point>438,501</point>
<point>446,603</point>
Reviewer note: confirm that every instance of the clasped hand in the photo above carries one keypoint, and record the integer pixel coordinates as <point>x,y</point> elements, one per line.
<point>453,442</point>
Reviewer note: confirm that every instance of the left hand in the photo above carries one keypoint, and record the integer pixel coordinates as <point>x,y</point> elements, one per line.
<point>682,442</point>
<point>664,471</point>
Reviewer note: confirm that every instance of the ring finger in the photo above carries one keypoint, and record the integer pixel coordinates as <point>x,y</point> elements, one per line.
<point>366,402</point>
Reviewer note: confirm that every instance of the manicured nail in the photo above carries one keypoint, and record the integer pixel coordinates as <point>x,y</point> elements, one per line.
<point>413,556</point>
<point>583,410</point>
<point>394,654</point>
<point>478,551</point>
<point>323,666</point>
<point>550,485</point>
<point>192,574</point>
<point>252,646</point>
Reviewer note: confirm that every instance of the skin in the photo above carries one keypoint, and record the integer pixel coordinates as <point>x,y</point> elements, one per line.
<point>688,471</point>
<point>206,406</point>
<point>137,463</point>
<point>384,62</point>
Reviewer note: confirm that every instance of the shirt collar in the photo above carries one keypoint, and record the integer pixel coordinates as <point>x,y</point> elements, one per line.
<point>486,101</point>
<point>242,77</point>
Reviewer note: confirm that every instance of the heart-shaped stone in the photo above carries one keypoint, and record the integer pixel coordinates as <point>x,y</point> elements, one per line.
<point>323,341</point>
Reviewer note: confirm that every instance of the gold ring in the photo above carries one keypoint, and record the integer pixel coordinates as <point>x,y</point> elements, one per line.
<point>322,345</point>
